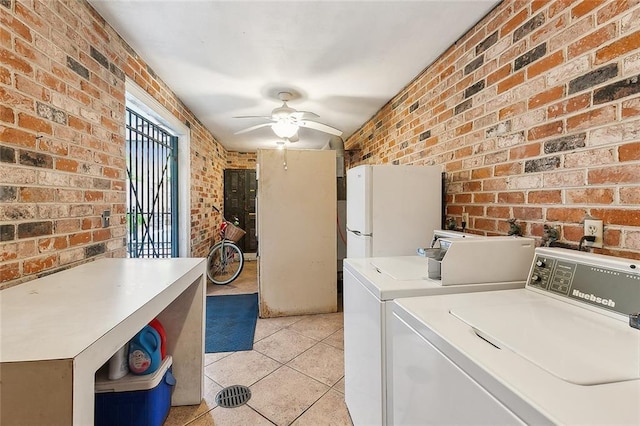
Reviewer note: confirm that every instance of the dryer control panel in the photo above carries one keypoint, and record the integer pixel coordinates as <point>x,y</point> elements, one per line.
<point>606,282</point>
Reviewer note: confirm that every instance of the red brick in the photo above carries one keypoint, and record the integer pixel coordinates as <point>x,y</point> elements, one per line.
<point>508,169</point>
<point>34,123</point>
<point>80,238</point>
<point>525,151</point>
<point>499,74</point>
<point>545,130</point>
<point>36,195</point>
<point>17,137</point>
<point>5,76</point>
<point>592,118</point>
<point>545,64</point>
<point>572,233</point>
<point>629,217</point>
<point>464,129</point>
<point>591,41</point>
<point>94,195</point>
<point>527,213</point>
<point>484,197</point>
<point>618,48</point>
<point>484,224</point>
<point>590,196</point>
<point>584,7</point>
<point>574,104</point>
<point>462,198</point>
<point>15,62</point>
<point>64,226</point>
<point>66,165</point>
<point>472,186</point>
<point>511,197</point>
<point>614,8</point>
<point>499,212</point>
<point>514,23</point>
<point>101,235</point>
<point>545,197</point>
<point>481,173</point>
<point>50,81</point>
<point>511,82</point>
<point>474,210</point>
<point>7,115</point>
<point>79,124</point>
<point>111,173</point>
<point>629,152</point>
<point>52,244</point>
<point>453,166</point>
<point>546,97</point>
<point>27,86</point>
<point>614,175</point>
<point>564,214</point>
<point>33,266</point>
<point>463,152</point>
<point>453,210</point>
<point>611,237</point>
<point>9,271</point>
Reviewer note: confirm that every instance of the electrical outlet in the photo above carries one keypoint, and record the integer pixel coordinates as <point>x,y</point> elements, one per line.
<point>593,227</point>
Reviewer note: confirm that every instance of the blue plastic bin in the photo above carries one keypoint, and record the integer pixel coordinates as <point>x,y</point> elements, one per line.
<point>135,400</point>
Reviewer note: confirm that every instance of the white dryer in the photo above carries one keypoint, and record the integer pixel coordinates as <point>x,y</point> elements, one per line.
<point>559,351</point>
<point>371,285</point>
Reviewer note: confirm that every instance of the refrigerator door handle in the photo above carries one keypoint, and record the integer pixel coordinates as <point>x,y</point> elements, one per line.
<point>358,233</point>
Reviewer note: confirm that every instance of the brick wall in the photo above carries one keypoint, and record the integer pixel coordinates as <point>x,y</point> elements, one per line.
<point>62,102</point>
<point>241,160</point>
<point>534,115</point>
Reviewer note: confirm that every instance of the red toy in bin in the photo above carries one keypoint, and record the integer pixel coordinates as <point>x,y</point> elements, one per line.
<point>157,325</point>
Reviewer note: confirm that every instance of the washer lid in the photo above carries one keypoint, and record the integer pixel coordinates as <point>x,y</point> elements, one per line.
<point>402,268</point>
<point>572,343</point>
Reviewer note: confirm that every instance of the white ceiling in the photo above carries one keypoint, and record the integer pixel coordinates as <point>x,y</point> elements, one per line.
<point>343,59</point>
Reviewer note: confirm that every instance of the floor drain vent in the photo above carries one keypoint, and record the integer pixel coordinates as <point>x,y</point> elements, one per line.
<point>233,396</point>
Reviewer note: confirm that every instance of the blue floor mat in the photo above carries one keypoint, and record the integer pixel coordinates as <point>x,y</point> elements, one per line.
<point>230,322</point>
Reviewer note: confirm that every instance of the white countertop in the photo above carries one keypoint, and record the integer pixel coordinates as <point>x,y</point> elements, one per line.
<point>58,316</point>
<point>524,384</point>
<point>396,281</point>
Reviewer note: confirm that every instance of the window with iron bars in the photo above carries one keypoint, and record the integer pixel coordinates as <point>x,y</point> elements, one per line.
<point>152,182</point>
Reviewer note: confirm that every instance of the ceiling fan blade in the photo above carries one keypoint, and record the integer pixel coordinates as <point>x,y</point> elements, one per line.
<point>319,126</point>
<point>249,129</point>
<point>254,116</point>
<point>302,115</point>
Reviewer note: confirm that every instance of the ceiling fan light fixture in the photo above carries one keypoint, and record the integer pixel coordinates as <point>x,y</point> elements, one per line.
<point>284,128</point>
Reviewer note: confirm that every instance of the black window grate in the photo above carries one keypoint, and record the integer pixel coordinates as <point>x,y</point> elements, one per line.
<point>152,196</point>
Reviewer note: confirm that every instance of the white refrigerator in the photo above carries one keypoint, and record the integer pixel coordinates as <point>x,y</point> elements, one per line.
<point>392,210</point>
<point>296,221</point>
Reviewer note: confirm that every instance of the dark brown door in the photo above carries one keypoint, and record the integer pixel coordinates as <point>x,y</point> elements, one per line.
<point>240,202</point>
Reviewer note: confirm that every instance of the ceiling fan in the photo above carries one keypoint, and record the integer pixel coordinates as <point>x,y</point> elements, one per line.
<point>285,121</point>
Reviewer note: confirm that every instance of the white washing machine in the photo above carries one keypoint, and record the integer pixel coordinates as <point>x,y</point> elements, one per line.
<point>371,284</point>
<point>559,351</point>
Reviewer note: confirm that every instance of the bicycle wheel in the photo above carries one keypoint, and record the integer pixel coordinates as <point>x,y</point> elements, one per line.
<point>224,263</point>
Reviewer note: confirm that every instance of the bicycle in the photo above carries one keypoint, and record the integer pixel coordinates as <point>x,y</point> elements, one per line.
<point>225,259</point>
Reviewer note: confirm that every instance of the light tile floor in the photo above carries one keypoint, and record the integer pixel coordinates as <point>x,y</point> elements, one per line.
<point>295,371</point>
